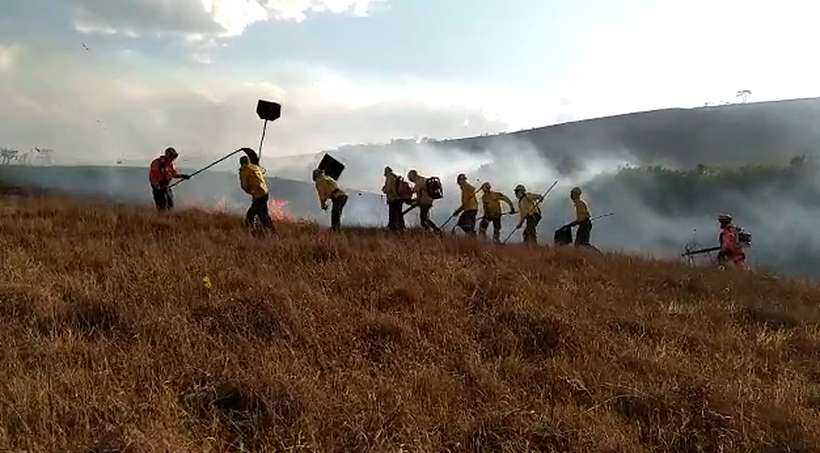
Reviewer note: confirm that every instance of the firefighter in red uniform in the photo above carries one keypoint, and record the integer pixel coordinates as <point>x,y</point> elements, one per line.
<point>731,251</point>
<point>161,175</point>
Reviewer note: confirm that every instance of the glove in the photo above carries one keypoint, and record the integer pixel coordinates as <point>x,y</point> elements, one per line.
<point>185,177</point>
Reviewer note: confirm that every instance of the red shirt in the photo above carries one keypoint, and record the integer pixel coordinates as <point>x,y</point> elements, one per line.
<point>730,247</point>
<point>162,172</point>
<point>728,240</point>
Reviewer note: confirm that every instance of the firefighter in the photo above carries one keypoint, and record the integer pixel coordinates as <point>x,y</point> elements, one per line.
<point>582,218</point>
<point>469,206</point>
<point>161,175</point>
<point>528,207</point>
<point>730,250</point>
<point>395,203</point>
<point>491,202</point>
<point>328,190</point>
<point>423,200</point>
<point>253,182</point>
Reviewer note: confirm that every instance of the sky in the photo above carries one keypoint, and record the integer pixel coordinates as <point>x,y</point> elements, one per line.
<point>105,80</point>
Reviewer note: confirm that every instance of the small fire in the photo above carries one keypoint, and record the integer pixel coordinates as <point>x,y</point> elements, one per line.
<point>221,206</point>
<point>278,211</point>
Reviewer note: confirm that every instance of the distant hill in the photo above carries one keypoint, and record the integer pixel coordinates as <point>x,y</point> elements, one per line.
<point>725,135</point>
<point>765,132</point>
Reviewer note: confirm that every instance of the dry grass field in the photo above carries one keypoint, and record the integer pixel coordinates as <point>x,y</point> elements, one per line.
<point>111,339</point>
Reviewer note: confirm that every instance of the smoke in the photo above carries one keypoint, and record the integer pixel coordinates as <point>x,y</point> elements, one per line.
<point>658,209</point>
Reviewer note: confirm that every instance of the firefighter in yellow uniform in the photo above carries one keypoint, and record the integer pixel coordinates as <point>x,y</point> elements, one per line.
<point>528,206</point>
<point>328,190</point>
<point>582,218</point>
<point>469,206</point>
<point>252,180</point>
<point>491,202</point>
<point>423,200</point>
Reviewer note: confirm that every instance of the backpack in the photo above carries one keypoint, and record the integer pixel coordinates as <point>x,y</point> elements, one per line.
<point>434,188</point>
<point>403,189</point>
<point>744,238</point>
<point>563,236</point>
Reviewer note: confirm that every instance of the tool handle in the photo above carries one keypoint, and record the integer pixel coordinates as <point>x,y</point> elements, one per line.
<point>205,168</point>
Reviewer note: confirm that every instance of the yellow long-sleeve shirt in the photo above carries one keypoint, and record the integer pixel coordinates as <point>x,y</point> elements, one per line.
<point>252,180</point>
<point>327,188</point>
<point>391,187</point>
<point>468,198</point>
<point>581,210</point>
<point>528,205</point>
<point>492,204</point>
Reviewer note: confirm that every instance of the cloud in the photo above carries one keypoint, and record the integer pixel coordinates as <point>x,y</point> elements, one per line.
<point>8,56</point>
<point>133,113</point>
<point>199,19</point>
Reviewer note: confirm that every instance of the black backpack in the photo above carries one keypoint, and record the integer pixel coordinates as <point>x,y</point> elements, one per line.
<point>434,188</point>
<point>563,236</point>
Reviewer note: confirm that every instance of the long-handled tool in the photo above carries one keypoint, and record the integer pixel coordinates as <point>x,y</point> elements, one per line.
<point>602,217</point>
<point>448,221</point>
<point>700,251</point>
<point>267,111</point>
<point>206,168</point>
<point>534,207</point>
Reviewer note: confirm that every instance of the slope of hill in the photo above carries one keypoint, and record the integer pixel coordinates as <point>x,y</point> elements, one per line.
<point>755,133</point>
<point>731,135</point>
<point>126,331</point>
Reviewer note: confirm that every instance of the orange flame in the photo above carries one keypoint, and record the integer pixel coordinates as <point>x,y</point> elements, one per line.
<point>278,210</point>
<point>221,206</point>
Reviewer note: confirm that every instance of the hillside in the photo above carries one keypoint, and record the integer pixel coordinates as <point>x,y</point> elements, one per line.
<point>112,341</point>
<point>737,134</point>
<point>754,133</point>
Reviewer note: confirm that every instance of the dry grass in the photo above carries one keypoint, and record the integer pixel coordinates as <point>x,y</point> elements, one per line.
<point>361,341</point>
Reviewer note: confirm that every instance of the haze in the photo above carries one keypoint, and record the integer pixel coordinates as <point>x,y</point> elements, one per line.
<point>101,81</point>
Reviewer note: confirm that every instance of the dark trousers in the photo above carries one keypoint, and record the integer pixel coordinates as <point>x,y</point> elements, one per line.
<point>163,198</point>
<point>584,232</point>
<point>339,203</point>
<point>259,209</point>
<point>395,218</point>
<point>467,222</point>
<point>530,230</point>
<point>485,222</point>
<point>424,218</point>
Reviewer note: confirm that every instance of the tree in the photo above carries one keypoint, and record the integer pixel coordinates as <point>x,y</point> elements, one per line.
<point>7,155</point>
<point>744,95</point>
